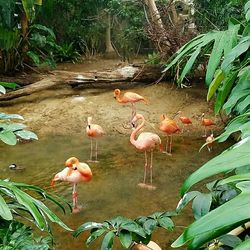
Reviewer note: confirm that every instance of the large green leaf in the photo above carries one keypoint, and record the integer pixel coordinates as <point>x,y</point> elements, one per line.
<point>27,135</point>
<point>94,235</point>
<point>215,57</point>
<point>8,137</point>
<point>125,238</point>
<point>12,127</point>
<point>243,105</point>
<point>241,90</point>
<point>201,205</point>
<point>239,123</point>
<point>218,78</point>
<point>238,50</point>
<point>27,201</point>
<point>236,156</point>
<point>224,91</point>
<point>86,226</point>
<point>189,64</point>
<point>10,116</point>
<point>52,217</point>
<point>188,48</point>
<point>9,85</point>
<point>186,199</point>
<point>235,178</point>
<point>5,212</point>
<point>107,242</point>
<point>245,245</point>
<point>218,221</point>
<point>55,199</point>
<point>166,223</point>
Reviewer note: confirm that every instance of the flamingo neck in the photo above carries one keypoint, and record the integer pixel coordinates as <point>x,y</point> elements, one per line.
<point>119,98</point>
<point>133,134</point>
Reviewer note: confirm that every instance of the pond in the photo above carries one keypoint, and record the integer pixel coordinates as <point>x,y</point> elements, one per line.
<point>113,190</point>
<point>59,117</point>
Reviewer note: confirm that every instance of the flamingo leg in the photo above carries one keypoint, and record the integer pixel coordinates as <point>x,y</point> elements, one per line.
<point>170,145</point>
<point>133,111</point>
<point>151,167</point>
<point>91,149</point>
<point>96,149</point>
<point>167,145</point>
<point>205,131</point>
<point>74,196</point>
<point>145,168</point>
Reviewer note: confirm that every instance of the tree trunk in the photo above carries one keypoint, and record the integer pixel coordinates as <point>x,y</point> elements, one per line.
<point>104,79</point>
<point>154,13</point>
<point>109,47</point>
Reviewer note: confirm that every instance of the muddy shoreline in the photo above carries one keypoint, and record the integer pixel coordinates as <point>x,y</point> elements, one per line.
<point>64,110</point>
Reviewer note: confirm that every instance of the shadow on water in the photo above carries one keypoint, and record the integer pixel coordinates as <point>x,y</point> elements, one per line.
<point>113,190</point>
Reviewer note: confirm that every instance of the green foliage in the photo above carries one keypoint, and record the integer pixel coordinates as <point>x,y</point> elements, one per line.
<point>15,235</point>
<point>15,201</point>
<point>224,208</point>
<point>154,58</point>
<point>213,14</point>
<point>9,85</point>
<point>84,24</point>
<point>10,131</point>
<point>218,42</point>
<point>128,231</point>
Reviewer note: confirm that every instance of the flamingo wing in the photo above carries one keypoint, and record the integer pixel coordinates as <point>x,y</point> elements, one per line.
<point>132,97</point>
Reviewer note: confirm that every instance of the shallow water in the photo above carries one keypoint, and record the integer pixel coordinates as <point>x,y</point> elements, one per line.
<point>113,190</point>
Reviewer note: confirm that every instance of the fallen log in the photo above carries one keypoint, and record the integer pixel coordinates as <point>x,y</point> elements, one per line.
<point>93,79</point>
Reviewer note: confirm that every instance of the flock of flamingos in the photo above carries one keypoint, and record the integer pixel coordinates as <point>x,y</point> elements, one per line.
<point>77,172</point>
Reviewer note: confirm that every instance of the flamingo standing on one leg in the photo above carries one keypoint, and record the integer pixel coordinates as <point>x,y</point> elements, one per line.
<point>210,142</point>
<point>206,123</point>
<point>184,120</point>
<point>75,172</point>
<point>170,127</point>
<point>93,131</point>
<point>129,97</point>
<point>146,142</point>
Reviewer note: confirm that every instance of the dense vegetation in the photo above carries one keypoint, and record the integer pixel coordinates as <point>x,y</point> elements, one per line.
<point>80,29</point>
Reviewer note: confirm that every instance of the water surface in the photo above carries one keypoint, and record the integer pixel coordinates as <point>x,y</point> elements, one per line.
<point>113,190</point>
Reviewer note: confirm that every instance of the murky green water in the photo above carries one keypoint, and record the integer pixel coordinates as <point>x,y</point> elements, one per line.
<point>113,190</point>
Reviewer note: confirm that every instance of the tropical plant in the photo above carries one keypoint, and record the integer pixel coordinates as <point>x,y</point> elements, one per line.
<point>14,22</point>
<point>127,230</point>
<point>230,87</point>
<point>18,203</point>
<point>210,15</point>
<point>8,85</point>
<point>15,235</point>
<point>217,45</point>
<point>231,213</point>
<point>9,132</point>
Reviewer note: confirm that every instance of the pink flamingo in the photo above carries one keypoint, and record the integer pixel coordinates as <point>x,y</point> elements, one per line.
<point>129,97</point>
<point>146,142</point>
<point>206,123</point>
<point>75,172</point>
<point>93,131</point>
<point>170,127</point>
<point>210,142</point>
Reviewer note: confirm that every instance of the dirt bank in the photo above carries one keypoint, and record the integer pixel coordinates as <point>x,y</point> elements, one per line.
<point>65,110</point>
